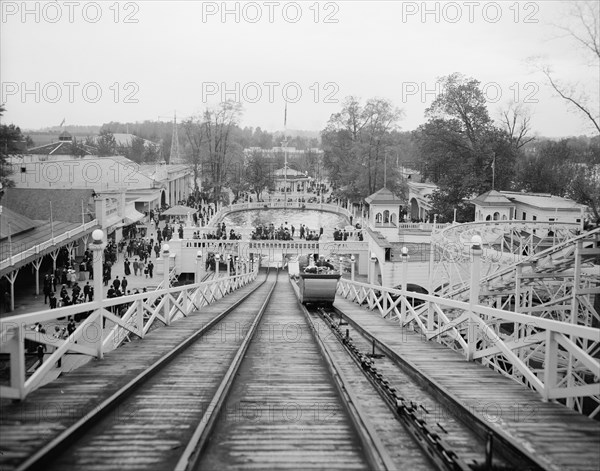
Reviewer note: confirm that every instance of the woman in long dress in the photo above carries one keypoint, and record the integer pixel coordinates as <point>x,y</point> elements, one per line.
<point>127,267</point>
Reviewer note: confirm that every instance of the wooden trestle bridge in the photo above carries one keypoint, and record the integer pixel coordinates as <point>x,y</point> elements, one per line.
<point>499,372</point>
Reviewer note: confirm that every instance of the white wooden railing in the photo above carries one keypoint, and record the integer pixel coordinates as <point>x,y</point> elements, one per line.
<point>332,208</point>
<point>22,253</point>
<point>91,338</point>
<point>557,359</point>
<point>422,226</point>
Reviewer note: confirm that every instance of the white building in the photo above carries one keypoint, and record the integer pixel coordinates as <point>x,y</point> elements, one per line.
<point>511,205</point>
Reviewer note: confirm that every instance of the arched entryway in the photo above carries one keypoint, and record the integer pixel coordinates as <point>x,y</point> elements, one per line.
<point>414,209</point>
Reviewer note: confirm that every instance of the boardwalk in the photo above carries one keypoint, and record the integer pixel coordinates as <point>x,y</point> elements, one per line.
<point>25,427</point>
<point>560,437</point>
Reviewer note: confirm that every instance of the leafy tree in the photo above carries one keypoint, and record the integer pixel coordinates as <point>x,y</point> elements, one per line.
<point>151,153</point>
<point>584,188</point>
<point>78,149</point>
<point>11,142</point>
<point>461,149</point>
<point>258,173</point>
<point>545,171</point>
<point>106,144</point>
<point>357,141</point>
<point>136,150</point>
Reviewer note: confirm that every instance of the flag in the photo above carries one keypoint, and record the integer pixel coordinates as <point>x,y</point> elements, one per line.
<point>285,116</point>
<point>63,121</point>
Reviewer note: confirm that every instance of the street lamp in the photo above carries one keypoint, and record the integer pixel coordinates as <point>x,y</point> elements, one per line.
<point>228,266</point>
<point>476,242</point>
<point>353,260</point>
<point>165,256</point>
<point>198,266</point>
<point>97,247</point>
<point>217,263</point>
<point>372,269</point>
<point>404,252</point>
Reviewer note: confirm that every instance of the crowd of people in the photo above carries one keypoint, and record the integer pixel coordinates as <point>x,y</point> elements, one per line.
<point>283,232</point>
<point>219,234</point>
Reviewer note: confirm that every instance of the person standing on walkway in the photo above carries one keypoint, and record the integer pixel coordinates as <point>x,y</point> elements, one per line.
<point>86,292</point>
<point>47,289</point>
<point>6,301</point>
<point>116,283</point>
<point>71,327</point>
<point>124,284</point>
<point>41,350</point>
<point>150,268</point>
<point>127,267</point>
<point>58,336</point>
<point>52,300</point>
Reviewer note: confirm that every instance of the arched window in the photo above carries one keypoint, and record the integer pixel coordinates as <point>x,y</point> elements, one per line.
<point>504,217</point>
<point>488,218</point>
<point>378,218</point>
<point>496,216</point>
<point>393,219</point>
<point>386,216</point>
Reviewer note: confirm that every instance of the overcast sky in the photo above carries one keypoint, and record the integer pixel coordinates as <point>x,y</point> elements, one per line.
<point>91,63</point>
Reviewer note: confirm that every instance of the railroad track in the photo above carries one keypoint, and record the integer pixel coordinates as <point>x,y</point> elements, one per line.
<point>450,434</point>
<point>191,409</point>
<point>268,384</point>
<point>284,410</point>
<point>146,424</point>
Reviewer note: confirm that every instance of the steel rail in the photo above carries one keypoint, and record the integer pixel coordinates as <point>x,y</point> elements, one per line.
<point>375,451</point>
<point>192,453</point>
<point>48,452</point>
<point>508,446</point>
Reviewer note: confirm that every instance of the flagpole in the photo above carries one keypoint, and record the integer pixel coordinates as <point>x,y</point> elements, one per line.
<point>9,240</point>
<point>494,172</point>
<point>285,153</point>
<point>385,171</point>
<point>51,221</point>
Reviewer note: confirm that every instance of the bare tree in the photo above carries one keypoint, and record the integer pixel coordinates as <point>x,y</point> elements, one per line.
<point>516,120</point>
<point>582,27</point>
<point>218,124</point>
<point>193,128</point>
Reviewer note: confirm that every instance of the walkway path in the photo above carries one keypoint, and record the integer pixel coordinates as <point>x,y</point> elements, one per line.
<point>560,437</point>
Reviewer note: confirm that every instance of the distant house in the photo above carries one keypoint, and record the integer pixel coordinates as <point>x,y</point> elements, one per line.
<point>511,205</point>
<point>418,199</point>
<point>293,180</point>
<point>65,146</point>
<point>149,185</point>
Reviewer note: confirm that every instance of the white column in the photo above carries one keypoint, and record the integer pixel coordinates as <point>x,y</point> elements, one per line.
<point>166,282</point>
<point>404,284</point>
<point>199,267</point>
<point>474,295</point>
<point>97,247</point>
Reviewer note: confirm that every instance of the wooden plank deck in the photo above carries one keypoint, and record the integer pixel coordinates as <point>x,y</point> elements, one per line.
<point>27,426</point>
<point>283,411</point>
<point>560,437</point>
